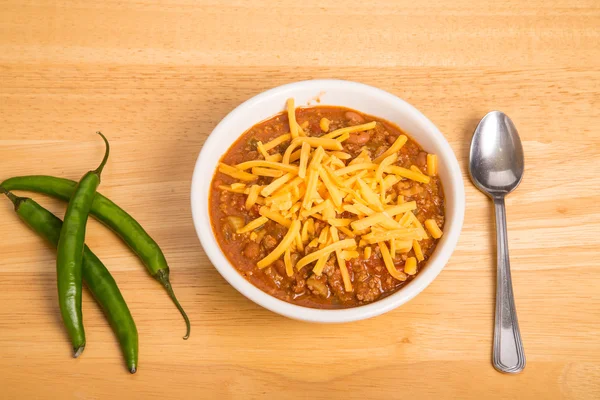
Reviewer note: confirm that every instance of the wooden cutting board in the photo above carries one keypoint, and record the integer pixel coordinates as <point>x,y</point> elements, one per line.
<point>157,76</point>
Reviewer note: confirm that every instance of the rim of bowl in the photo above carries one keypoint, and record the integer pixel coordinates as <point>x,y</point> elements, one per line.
<point>442,252</point>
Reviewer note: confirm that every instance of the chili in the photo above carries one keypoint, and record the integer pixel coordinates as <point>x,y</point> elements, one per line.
<point>369,277</point>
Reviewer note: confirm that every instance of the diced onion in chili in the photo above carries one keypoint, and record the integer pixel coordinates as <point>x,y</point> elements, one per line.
<point>235,222</point>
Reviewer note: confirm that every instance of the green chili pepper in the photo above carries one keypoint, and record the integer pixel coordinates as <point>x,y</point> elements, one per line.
<point>70,253</point>
<point>114,217</point>
<point>94,273</point>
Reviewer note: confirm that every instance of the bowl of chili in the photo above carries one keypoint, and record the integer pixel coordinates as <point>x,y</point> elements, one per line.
<point>247,169</point>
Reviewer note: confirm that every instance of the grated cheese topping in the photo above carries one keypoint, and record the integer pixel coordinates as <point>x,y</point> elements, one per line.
<point>314,179</point>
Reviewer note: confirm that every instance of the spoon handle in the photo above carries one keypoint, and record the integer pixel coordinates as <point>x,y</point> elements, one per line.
<point>508,354</point>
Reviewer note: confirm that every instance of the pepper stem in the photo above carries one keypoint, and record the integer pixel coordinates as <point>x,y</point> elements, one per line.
<point>163,277</point>
<point>106,153</point>
<point>15,200</point>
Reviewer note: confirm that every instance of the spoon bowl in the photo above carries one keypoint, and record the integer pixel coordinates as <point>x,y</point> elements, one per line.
<point>496,162</point>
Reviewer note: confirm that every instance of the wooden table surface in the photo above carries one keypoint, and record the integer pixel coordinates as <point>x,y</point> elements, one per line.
<point>157,76</point>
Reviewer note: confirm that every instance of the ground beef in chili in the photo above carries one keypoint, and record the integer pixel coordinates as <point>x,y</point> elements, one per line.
<point>370,279</point>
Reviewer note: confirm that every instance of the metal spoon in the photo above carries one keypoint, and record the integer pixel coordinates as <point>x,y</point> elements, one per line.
<point>496,165</point>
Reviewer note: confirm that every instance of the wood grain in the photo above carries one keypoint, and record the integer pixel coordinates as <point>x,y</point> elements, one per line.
<point>157,76</point>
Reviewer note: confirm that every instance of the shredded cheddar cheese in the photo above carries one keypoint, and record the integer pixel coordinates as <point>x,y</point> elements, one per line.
<point>393,148</point>
<point>282,246</point>
<point>351,129</point>
<point>252,196</point>
<point>291,110</point>
<point>277,141</point>
<point>335,207</point>
<point>389,263</point>
<point>346,231</point>
<point>253,225</point>
<point>261,171</point>
<point>236,173</point>
<point>410,267</point>
<point>276,184</point>
<point>433,229</point>
<point>318,269</point>
<point>287,259</point>
<point>275,216</point>
<point>432,164</point>
<point>267,164</point>
<point>342,244</point>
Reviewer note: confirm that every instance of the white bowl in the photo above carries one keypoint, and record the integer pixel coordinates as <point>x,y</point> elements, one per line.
<point>366,99</point>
